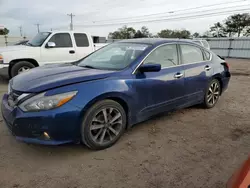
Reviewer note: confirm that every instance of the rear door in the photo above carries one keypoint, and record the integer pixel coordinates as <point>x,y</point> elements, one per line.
<point>63,52</point>
<point>198,71</point>
<point>83,45</point>
<point>163,90</point>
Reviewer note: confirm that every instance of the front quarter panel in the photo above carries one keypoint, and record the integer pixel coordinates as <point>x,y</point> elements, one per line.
<point>27,53</point>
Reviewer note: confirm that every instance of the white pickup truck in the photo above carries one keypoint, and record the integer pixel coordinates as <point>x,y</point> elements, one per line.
<point>46,48</point>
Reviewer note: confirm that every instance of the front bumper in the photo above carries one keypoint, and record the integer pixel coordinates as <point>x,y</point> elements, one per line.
<point>61,124</point>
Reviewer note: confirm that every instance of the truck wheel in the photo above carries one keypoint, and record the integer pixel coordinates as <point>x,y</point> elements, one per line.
<point>20,67</point>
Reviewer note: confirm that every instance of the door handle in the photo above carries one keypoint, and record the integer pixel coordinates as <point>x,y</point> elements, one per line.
<point>72,51</point>
<point>178,75</point>
<point>207,67</point>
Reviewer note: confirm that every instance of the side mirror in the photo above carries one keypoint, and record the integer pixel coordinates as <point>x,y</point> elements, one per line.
<point>51,45</point>
<point>150,67</point>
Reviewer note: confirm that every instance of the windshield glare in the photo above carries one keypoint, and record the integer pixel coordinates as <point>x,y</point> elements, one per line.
<point>115,56</point>
<point>39,39</point>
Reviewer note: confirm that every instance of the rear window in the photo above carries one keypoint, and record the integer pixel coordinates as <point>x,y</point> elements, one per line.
<point>81,40</point>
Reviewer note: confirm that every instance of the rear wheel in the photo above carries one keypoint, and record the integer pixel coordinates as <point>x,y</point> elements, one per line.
<point>212,94</point>
<point>103,124</point>
<point>21,67</point>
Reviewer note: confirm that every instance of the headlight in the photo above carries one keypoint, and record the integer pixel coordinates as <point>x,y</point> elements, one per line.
<point>41,102</point>
<point>1,59</point>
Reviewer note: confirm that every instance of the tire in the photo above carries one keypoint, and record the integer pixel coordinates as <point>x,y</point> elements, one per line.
<point>15,70</point>
<point>212,94</point>
<point>95,125</point>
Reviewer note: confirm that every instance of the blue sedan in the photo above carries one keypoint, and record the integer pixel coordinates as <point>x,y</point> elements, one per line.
<point>96,98</point>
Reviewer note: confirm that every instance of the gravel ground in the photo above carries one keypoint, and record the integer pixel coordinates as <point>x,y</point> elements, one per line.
<point>192,148</point>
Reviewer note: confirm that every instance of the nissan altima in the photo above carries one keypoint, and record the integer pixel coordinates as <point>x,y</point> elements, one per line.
<point>96,99</point>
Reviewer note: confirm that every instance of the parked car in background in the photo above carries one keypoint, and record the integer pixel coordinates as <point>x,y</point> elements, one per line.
<point>95,99</point>
<point>46,48</point>
<point>202,42</point>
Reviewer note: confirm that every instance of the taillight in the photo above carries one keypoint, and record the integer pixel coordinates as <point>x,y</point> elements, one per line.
<point>226,65</point>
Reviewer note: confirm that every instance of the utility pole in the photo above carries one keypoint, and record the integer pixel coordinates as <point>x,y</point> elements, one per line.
<point>38,27</point>
<point>71,21</point>
<point>21,32</point>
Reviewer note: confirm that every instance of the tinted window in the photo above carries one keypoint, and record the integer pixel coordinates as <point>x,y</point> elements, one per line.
<point>164,55</point>
<point>81,40</point>
<point>207,55</point>
<point>62,40</point>
<point>115,56</point>
<point>191,54</point>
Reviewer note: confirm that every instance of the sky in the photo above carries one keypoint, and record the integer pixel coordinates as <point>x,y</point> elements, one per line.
<point>52,14</point>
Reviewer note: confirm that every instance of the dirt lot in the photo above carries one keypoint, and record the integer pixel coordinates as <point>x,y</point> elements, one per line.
<point>189,148</point>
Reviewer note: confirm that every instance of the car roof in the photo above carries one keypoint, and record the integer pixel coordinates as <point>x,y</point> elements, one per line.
<point>155,41</point>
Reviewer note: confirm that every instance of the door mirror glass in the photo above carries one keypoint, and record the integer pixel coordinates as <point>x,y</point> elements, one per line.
<point>150,67</point>
<point>51,45</point>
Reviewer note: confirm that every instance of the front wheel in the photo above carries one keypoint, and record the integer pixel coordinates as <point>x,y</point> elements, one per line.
<point>212,94</point>
<point>20,67</point>
<point>103,124</point>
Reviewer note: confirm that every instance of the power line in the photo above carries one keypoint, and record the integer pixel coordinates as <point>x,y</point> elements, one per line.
<point>71,21</point>
<point>38,27</point>
<point>172,19</point>
<point>173,11</point>
<point>188,13</point>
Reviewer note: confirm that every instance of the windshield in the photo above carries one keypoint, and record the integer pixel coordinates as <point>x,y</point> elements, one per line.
<point>115,56</point>
<point>38,39</point>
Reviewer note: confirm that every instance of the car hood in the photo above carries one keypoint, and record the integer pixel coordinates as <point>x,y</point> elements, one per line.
<point>14,48</point>
<point>51,76</point>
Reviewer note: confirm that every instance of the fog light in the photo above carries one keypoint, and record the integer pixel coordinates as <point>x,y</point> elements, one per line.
<point>46,135</point>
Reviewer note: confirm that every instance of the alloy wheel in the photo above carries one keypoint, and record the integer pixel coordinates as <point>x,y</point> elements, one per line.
<point>213,93</point>
<point>106,126</point>
<point>23,69</point>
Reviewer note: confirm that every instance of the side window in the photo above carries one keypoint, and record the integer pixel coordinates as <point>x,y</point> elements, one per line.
<point>81,40</point>
<point>191,54</point>
<point>207,55</point>
<point>166,55</point>
<point>62,40</point>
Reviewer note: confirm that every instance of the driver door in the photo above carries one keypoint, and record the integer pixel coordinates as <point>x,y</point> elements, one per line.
<point>163,90</point>
<point>63,52</point>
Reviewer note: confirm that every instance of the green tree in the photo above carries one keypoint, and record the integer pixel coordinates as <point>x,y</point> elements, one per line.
<point>247,32</point>
<point>196,35</point>
<point>143,33</point>
<point>237,23</point>
<point>218,30</point>
<point>4,31</point>
<point>167,33</point>
<point>123,33</point>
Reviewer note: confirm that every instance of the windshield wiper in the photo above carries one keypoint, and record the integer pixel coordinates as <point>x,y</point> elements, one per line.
<point>29,44</point>
<point>88,66</point>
